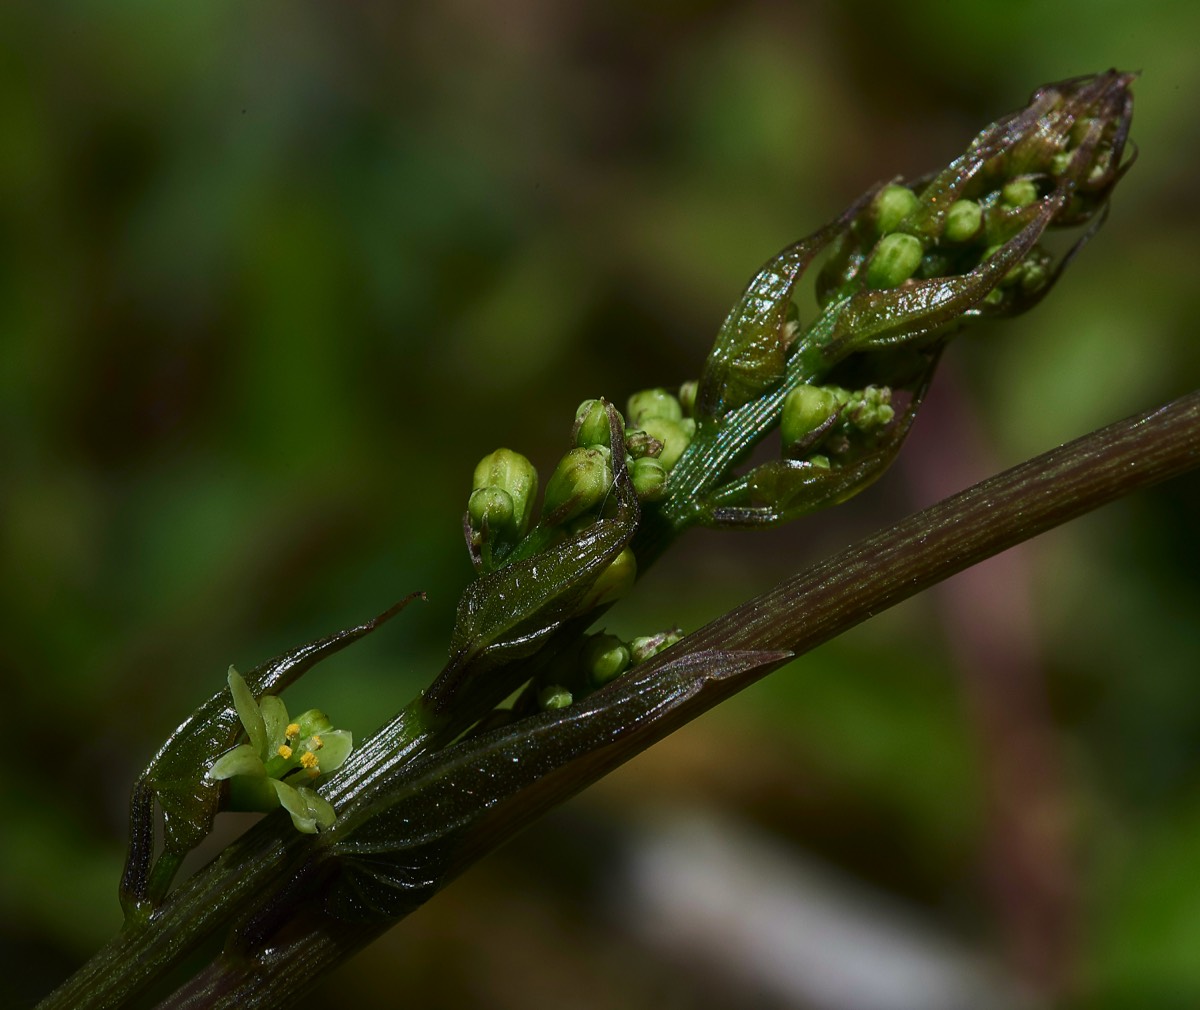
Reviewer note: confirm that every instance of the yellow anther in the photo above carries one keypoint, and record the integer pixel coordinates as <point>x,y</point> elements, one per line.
<point>315,743</point>
<point>284,752</point>
<point>309,761</point>
<point>292,731</point>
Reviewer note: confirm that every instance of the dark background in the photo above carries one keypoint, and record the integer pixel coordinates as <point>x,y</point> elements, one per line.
<point>274,276</point>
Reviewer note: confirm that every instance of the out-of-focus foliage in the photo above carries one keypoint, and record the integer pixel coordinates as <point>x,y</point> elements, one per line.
<point>272,278</point>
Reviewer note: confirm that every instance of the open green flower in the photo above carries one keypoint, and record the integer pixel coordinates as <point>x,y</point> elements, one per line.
<point>282,754</point>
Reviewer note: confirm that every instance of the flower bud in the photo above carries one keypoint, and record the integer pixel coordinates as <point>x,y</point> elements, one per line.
<point>512,473</point>
<point>891,205</point>
<point>643,648</point>
<point>675,436</point>
<point>687,397</point>
<point>604,658</point>
<point>805,410</point>
<point>640,443</point>
<point>1019,192</point>
<point>314,721</point>
<point>963,221</point>
<point>613,583</point>
<point>554,696</point>
<point>490,508</point>
<point>579,483</point>
<point>649,478</point>
<point>591,423</point>
<point>1037,270</point>
<point>894,261</point>
<point>653,403</point>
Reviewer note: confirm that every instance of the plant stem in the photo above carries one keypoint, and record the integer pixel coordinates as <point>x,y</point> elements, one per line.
<point>797,615</point>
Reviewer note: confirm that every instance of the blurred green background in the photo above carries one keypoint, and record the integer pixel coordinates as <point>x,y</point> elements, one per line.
<point>274,276</point>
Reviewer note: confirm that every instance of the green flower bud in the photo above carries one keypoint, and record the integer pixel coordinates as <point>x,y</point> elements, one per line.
<point>309,723</point>
<point>613,583</point>
<point>1036,270</point>
<point>1082,127</point>
<point>653,403</point>
<point>963,221</point>
<point>640,443</point>
<point>820,462</point>
<point>804,411</point>
<point>687,397</point>
<point>649,478</point>
<point>1019,192</point>
<point>579,483</point>
<point>892,205</point>
<point>591,423</point>
<point>490,507</point>
<point>642,648</point>
<point>894,261</point>
<point>514,474</point>
<point>675,436</point>
<point>554,696</point>
<point>605,657</point>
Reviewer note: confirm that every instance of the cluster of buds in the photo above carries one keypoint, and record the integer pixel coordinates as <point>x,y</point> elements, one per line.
<point>904,267</point>
<point>899,271</point>
<point>605,657</point>
<point>982,220</point>
<point>833,419</point>
<point>602,658</point>
<point>501,506</point>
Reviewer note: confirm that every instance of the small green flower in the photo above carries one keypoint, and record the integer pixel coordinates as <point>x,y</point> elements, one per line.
<point>281,754</point>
